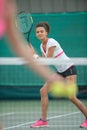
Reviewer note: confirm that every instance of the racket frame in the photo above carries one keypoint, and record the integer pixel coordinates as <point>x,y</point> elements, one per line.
<point>24,15</point>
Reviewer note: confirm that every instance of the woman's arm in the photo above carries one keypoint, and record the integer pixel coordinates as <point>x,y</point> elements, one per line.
<point>51,51</point>
<point>18,44</point>
<point>32,48</point>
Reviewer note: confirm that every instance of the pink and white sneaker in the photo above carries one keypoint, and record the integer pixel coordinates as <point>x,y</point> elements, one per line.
<point>39,123</point>
<point>84,124</point>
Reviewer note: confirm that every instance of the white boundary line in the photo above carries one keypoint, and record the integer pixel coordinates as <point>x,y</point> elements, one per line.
<point>7,114</point>
<point>27,112</point>
<point>27,123</point>
<point>68,114</point>
<point>55,126</point>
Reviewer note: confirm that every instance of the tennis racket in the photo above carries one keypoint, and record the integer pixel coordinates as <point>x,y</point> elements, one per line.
<point>25,23</point>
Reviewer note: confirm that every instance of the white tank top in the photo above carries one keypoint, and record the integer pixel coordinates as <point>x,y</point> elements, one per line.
<point>58,53</point>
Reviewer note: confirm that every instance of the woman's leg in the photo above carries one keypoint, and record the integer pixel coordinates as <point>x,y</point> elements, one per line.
<point>74,99</point>
<point>44,101</point>
<point>44,95</point>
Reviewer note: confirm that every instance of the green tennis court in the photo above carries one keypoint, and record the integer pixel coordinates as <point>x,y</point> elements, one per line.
<point>20,104</point>
<point>19,114</point>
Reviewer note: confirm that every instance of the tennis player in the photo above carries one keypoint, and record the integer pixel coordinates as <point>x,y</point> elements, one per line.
<point>17,42</point>
<point>50,48</point>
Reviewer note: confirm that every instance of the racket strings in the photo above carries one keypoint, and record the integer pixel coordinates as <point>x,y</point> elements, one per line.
<point>25,23</point>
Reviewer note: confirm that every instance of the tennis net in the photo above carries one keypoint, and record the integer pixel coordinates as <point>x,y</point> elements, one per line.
<point>19,82</point>
<point>14,73</point>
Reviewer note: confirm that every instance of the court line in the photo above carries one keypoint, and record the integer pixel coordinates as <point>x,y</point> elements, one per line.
<point>27,123</point>
<point>63,125</point>
<point>55,126</point>
<point>6,114</point>
<point>63,115</point>
<point>13,113</point>
<point>11,127</point>
<point>27,112</point>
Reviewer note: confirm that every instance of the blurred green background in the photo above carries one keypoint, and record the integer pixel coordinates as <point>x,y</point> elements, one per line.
<point>69,29</point>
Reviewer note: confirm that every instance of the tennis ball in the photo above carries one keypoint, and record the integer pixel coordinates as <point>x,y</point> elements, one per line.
<point>63,89</point>
<point>71,89</point>
<point>57,89</point>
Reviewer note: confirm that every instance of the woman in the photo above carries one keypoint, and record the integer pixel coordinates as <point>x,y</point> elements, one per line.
<point>50,48</point>
<point>8,14</point>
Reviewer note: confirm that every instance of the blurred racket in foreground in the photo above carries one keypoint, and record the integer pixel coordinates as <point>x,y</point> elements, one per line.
<point>2,19</point>
<point>25,23</point>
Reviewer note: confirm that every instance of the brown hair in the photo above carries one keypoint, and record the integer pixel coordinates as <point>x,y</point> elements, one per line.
<point>45,25</point>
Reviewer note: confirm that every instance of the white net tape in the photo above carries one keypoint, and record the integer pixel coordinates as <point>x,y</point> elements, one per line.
<point>45,61</point>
